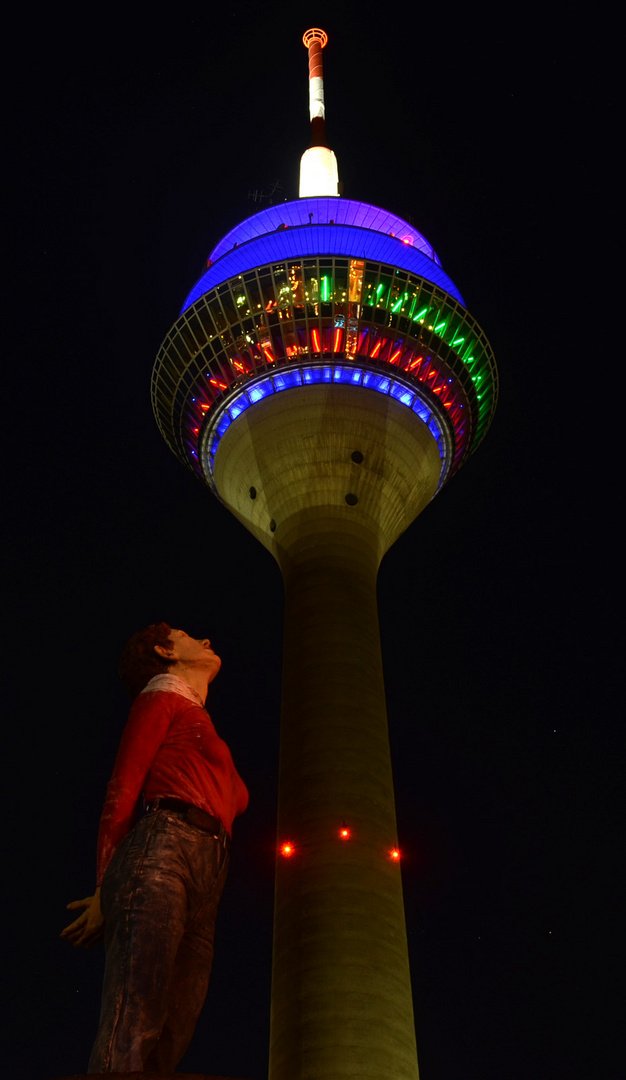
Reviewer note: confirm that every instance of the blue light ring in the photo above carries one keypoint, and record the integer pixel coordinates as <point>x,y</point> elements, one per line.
<point>295,214</point>
<point>319,240</point>
<point>219,420</point>
<point>380,376</point>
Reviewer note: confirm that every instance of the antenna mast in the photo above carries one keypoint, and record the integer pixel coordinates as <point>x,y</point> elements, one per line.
<point>318,165</point>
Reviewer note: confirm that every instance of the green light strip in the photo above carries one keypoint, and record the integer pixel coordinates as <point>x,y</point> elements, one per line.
<point>470,356</point>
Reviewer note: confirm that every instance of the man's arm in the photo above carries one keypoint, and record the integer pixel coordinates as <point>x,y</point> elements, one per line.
<point>147,726</point>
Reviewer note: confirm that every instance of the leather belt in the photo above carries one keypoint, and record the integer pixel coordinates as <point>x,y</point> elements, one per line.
<point>194,816</point>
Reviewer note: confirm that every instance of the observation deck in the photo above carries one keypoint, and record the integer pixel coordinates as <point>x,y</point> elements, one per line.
<point>323,290</point>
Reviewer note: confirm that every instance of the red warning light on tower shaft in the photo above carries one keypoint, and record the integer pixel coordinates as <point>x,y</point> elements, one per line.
<point>288,848</point>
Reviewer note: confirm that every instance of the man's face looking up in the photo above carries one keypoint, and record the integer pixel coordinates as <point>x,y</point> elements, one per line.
<point>190,652</point>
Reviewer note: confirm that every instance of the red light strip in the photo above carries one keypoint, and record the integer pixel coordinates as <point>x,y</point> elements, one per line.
<point>423,368</point>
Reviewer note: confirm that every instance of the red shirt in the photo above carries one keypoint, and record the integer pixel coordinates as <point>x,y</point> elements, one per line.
<point>169,747</point>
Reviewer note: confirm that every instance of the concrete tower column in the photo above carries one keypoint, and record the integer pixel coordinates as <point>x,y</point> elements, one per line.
<point>337,473</point>
<point>341,993</point>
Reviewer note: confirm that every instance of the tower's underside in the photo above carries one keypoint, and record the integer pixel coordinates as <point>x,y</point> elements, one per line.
<point>322,459</point>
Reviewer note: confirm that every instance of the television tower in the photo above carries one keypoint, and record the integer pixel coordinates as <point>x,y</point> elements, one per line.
<point>325,380</point>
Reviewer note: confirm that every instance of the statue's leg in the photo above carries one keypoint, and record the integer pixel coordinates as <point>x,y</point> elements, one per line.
<point>144,902</point>
<point>208,865</point>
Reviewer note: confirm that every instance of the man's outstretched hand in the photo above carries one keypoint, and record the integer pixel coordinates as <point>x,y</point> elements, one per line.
<point>88,928</point>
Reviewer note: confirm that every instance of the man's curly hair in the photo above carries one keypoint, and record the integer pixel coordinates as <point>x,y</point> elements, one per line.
<point>139,663</point>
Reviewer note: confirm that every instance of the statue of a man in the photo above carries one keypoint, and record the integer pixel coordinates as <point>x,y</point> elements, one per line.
<point>161,875</point>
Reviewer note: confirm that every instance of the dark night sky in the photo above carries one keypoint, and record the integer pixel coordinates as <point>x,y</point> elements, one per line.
<point>135,142</point>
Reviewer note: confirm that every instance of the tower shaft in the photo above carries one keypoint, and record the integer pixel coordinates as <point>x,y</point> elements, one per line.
<point>341,992</point>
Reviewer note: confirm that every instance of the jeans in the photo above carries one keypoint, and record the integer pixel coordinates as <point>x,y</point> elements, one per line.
<point>159,900</point>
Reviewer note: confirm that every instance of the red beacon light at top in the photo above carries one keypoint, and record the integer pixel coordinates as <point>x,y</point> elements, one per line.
<point>344,833</point>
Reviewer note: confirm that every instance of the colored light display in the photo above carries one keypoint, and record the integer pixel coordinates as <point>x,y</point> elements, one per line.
<point>355,315</point>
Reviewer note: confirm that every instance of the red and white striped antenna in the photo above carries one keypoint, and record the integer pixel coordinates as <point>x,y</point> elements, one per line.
<point>315,40</point>
<point>318,165</point>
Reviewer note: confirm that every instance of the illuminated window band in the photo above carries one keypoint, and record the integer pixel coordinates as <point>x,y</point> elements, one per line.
<point>320,227</point>
<point>289,379</point>
<point>323,310</point>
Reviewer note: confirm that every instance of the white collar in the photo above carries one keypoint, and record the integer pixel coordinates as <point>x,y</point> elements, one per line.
<point>173,684</point>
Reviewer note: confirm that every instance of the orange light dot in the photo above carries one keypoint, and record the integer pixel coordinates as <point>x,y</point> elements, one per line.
<point>344,834</point>
<point>394,854</point>
<point>287,849</point>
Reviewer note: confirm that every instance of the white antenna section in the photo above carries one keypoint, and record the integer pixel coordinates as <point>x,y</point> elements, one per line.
<point>318,172</point>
